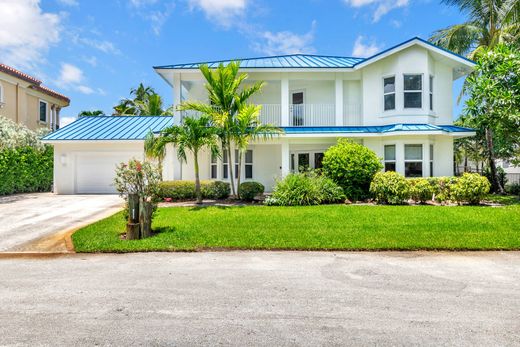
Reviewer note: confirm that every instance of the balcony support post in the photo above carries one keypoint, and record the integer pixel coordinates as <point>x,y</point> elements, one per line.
<point>286,167</point>
<point>339,100</point>
<point>176,98</point>
<point>285,100</point>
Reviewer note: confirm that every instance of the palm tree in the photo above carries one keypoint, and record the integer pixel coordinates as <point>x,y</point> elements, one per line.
<point>91,113</point>
<point>489,23</point>
<point>153,150</point>
<point>193,135</point>
<point>249,128</point>
<point>128,107</point>
<point>226,96</point>
<point>152,105</point>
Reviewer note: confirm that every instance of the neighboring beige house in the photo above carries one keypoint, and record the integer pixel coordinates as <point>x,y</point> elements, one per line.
<point>25,100</point>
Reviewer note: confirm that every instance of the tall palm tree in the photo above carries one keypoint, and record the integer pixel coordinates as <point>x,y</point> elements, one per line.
<point>248,128</point>
<point>129,107</point>
<point>489,23</point>
<point>141,92</point>
<point>152,149</point>
<point>91,113</point>
<point>152,105</point>
<point>193,135</point>
<point>226,96</point>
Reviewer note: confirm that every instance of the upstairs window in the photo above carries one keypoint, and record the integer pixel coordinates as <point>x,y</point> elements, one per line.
<point>413,160</point>
<point>389,158</point>
<point>431,93</point>
<point>43,111</point>
<point>413,91</point>
<point>389,93</point>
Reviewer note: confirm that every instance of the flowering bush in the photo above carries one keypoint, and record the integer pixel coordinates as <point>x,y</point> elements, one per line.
<point>139,178</point>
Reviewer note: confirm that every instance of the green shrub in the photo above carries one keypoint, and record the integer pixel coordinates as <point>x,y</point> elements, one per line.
<point>26,169</point>
<point>470,188</point>
<point>185,190</point>
<point>513,189</point>
<point>442,187</point>
<point>307,188</point>
<point>421,190</point>
<point>390,188</point>
<point>352,166</point>
<point>248,190</point>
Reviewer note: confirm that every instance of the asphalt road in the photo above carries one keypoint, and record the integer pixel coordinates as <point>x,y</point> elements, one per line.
<point>262,298</point>
<point>26,218</point>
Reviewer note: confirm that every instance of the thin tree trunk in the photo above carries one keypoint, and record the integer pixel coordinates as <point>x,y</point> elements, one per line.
<point>239,172</point>
<point>465,163</point>
<point>231,163</point>
<point>495,181</point>
<point>197,178</point>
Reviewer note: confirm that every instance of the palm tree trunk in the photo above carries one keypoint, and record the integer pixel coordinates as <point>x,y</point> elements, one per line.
<point>239,171</point>
<point>231,163</point>
<point>495,181</point>
<point>197,178</point>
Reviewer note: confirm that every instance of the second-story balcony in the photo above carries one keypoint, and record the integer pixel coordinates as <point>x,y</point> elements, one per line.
<point>304,115</point>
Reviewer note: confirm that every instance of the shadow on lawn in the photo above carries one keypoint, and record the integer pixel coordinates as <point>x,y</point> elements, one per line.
<point>221,207</point>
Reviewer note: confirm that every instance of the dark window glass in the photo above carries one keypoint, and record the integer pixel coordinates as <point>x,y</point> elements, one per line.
<point>390,152</point>
<point>318,160</point>
<point>413,169</point>
<point>249,171</point>
<point>303,161</point>
<point>389,102</point>
<point>213,171</point>
<point>389,85</point>
<point>292,162</point>
<point>43,111</point>
<point>390,166</point>
<point>412,99</point>
<point>249,156</point>
<point>431,93</point>
<point>412,82</point>
<point>236,163</point>
<point>225,169</point>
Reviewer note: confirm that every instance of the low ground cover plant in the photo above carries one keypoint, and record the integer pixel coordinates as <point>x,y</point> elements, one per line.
<point>352,166</point>
<point>249,190</point>
<point>185,190</point>
<point>305,188</point>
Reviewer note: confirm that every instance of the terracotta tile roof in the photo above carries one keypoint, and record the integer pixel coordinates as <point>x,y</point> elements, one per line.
<point>36,83</point>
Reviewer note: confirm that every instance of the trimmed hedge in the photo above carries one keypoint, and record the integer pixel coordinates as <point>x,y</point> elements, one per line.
<point>248,190</point>
<point>470,188</point>
<point>26,169</point>
<point>390,188</point>
<point>185,190</point>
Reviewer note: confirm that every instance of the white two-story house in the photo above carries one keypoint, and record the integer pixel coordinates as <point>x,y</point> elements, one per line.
<point>398,103</point>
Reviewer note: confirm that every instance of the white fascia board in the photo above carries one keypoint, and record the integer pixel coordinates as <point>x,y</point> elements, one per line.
<point>262,69</point>
<point>412,43</point>
<point>107,142</point>
<point>393,133</point>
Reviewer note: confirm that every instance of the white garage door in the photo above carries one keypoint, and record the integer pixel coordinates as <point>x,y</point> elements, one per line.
<point>95,171</point>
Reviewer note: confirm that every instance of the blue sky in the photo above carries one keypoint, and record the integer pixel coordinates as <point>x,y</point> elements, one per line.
<point>95,51</point>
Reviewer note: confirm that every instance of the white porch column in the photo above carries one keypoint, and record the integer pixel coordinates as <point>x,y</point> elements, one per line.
<point>426,158</point>
<point>286,165</point>
<point>285,100</point>
<point>339,100</point>
<point>176,98</point>
<point>399,157</point>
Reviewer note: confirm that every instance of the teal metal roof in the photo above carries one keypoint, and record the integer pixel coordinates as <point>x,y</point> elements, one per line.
<point>302,60</point>
<point>115,128</point>
<point>376,129</point>
<point>279,61</point>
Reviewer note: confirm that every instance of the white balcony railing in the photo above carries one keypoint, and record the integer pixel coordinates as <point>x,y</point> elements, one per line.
<point>271,114</point>
<point>352,114</point>
<point>312,115</point>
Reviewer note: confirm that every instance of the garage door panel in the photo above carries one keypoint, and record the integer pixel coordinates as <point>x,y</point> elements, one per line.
<point>95,172</point>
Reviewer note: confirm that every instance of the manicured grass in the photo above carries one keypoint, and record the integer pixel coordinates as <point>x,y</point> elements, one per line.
<point>331,227</point>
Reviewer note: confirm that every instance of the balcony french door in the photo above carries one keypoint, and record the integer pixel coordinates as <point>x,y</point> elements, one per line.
<point>297,109</point>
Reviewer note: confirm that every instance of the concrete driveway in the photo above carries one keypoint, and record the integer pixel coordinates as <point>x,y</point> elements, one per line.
<point>262,299</point>
<point>37,222</point>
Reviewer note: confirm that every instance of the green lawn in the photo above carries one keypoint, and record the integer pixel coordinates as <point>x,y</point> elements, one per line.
<point>329,227</point>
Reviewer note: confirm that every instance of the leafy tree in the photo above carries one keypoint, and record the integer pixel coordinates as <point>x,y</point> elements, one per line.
<point>152,106</point>
<point>469,148</point>
<point>143,101</point>
<point>93,113</point>
<point>227,96</point>
<point>153,151</point>
<point>493,107</point>
<point>193,135</point>
<point>489,23</point>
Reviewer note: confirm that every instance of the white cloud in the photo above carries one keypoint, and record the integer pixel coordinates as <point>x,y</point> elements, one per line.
<point>363,50</point>
<point>286,42</point>
<point>141,3</point>
<point>223,12</point>
<point>72,77</point>
<point>92,61</point>
<point>380,7</point>
<point>69,2</point>
<point>101,45</point>
<point>66,121</point>
<point>154,11</point>
<point>26,33</point>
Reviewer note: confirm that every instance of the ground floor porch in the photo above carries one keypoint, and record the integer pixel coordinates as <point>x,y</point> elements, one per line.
<point>268,161</point>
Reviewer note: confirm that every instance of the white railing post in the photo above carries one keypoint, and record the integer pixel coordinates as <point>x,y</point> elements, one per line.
<point>339,102</point>
<point>286,167</point>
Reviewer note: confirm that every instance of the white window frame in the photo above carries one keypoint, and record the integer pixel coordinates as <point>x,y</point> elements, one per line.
<point>414,160</point>
<point>413,90</point>
<point>46,121</point>
<point>389,160</point>
<point>246,164</point>
<point>225,163</point>
<point>394,93</point>
<point>430,94</point>
<point>431,149</point>
<point>312,154</point>
<point>213,163</point>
